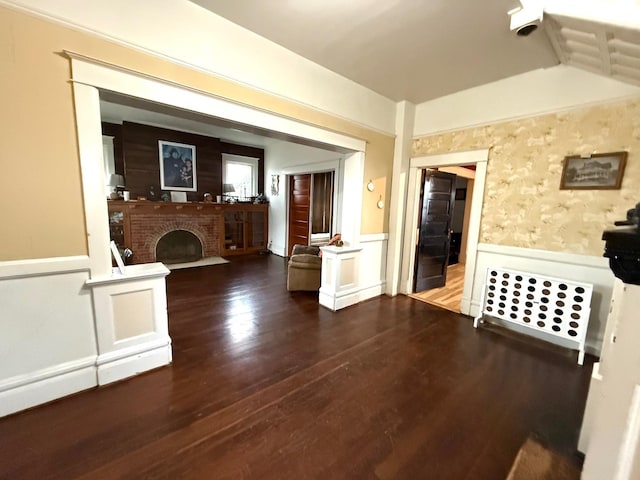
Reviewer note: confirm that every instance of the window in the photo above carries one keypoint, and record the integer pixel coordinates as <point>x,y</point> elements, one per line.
<point>242,173</point>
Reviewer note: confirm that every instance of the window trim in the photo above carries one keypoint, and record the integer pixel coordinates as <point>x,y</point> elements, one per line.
<point>253,162</point>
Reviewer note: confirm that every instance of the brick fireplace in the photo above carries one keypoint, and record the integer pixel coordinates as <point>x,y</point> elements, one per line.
<point>148,222</point>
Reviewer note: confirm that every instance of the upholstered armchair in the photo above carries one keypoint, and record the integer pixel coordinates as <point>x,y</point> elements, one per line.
<point>304,268</point>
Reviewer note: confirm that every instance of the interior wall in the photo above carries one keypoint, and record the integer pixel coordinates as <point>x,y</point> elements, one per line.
<point>211,43</point>
<point>523,205</point>
<point>142,165</point>
<point>533,93</point>
<point>35,87</point>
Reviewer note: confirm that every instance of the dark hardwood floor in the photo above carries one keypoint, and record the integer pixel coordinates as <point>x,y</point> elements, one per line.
<point>266,384</point>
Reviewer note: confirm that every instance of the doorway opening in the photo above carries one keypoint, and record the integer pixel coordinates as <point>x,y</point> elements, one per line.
<point>462,165</point>
<point>441,255</point>
<point>311,201</point>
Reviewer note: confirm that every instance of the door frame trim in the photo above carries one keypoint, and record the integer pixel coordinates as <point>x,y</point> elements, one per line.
<point>480,159</point>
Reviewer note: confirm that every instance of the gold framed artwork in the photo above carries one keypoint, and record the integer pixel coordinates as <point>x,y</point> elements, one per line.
<point>603,171</point>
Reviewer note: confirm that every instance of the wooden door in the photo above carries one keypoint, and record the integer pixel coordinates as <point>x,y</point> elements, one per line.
<point>437,198</point>
<point>299,206</point>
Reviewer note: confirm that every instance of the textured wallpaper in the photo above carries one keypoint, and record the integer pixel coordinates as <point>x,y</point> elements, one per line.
<point>523,203</point>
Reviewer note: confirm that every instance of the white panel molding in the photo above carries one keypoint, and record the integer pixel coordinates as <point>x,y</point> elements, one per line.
<point>43,266</point>
<point>580,268</point>
<point>45,386</point>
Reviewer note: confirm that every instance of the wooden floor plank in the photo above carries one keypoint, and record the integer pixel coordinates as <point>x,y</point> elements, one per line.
<point>267,384</point>
<point>448,297</point>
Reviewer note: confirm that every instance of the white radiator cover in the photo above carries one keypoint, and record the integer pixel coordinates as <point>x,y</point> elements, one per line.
<point>556,307</point>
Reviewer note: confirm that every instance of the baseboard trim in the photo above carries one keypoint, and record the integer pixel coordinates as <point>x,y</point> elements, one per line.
<point>28,391</point>
<point>350,297</point>
<point>372,291</point>
<point>121,368</point>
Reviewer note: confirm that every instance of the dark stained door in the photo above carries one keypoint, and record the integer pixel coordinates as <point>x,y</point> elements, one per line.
<point>437,198</point>
<point>299,204</point>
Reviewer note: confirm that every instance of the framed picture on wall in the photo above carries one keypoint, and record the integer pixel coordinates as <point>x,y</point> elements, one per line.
<point>603,171</point>
<point>177,166</point>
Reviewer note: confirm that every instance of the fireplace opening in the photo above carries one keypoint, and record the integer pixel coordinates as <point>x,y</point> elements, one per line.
<point>179,246</point>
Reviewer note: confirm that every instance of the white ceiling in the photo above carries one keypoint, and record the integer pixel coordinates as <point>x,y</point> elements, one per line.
<point>418,50</point>
<point>412,50</point>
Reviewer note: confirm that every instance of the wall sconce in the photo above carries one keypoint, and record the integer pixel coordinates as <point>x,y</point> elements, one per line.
<point>380,203</point>
<point>370,186</point>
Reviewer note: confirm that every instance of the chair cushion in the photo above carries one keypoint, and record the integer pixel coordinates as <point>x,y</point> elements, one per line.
<point>304,260</point>
<point>305,249</point>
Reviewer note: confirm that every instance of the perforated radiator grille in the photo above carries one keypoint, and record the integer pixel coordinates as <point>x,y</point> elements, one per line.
<point>557,307</point>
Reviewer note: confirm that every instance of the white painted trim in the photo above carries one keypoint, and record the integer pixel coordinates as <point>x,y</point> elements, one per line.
<point>630,439</point>
<point>405,116</point>
<point>25,391</point>
<point>318,167</point>
<point>121,80</point>
<point>89,128</point>
<point>127,367</point>
<point>551,256</point>
<point>43,266</point>
<point>142,271</point>
<point>46,373</point>
<point>466,157</point>
<point>478,157</point>
<point>135,349</point>
<point>372,291</point>
<point>374,237</point>
<point>350,297</point>
<point>349,216</point>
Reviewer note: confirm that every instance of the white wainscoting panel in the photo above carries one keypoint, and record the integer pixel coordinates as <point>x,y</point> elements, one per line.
<point>373,265</point>
<point>47,345</point>
<point>579,268</point>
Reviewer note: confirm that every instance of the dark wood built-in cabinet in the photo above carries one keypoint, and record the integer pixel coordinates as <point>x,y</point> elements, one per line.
<point>245,228</point>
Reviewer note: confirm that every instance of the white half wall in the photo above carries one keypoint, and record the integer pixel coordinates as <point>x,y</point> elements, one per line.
<point>215,45</point>
<point>533,93</point>
<point>580,268</point>
<point>373,265</point>
<point>47,345</point>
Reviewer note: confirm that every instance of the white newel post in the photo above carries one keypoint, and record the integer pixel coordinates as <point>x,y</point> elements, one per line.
<point>340,283</point>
